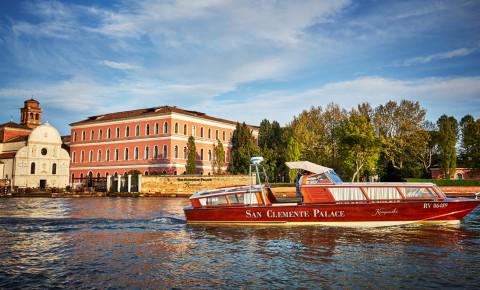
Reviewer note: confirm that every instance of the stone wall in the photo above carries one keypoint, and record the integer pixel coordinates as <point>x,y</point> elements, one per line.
<point>182,185</point>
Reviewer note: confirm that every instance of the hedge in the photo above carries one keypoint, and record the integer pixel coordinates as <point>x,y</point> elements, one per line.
<point>448,182</point>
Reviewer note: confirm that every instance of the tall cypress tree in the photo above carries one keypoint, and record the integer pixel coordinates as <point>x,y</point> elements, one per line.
<point>192,156</point>
<point>447,133</point>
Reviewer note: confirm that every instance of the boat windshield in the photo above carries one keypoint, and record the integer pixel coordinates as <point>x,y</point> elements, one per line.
<point>334,177</point>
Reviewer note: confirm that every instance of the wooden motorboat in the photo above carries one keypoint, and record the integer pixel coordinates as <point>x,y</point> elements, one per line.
<point>325,200</point>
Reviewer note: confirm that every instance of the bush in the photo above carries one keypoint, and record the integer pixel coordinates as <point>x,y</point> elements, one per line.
<point>448,182</point>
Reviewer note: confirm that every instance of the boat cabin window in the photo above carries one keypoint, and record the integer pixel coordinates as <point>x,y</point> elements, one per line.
<point>213,200</point>
<point>318,179</point>
<point>418,192</point>
<point>334,177</point>
<point>235,198</point>
<point>347,193</point>
<point>383,193</point>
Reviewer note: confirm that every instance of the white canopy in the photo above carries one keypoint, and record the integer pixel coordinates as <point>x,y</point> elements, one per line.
<point>308,166</point>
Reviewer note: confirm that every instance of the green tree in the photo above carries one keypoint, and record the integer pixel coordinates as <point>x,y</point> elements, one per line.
<point>359,144</point>
<point>470,145</point>
<point>292,153</point>
<point>191,166</point>
<point>447,140</point>
<point>243,148</point>
<point>218,157</point>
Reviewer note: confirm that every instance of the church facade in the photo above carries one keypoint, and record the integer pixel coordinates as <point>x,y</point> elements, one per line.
<point>31,154</point>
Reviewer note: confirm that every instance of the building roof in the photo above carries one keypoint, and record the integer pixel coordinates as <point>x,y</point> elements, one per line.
<point>17,139</point>
<point>66,139</point>
<point>149,112</point>
<point>12,124</point>
<point>8,155</point>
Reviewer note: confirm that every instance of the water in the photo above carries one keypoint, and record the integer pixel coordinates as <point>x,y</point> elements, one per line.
<point>145,243</point>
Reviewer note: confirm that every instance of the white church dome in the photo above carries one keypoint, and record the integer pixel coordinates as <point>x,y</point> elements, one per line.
<point>45,134</point>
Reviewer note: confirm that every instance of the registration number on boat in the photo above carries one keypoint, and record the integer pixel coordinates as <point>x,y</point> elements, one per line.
<point>435,205</point>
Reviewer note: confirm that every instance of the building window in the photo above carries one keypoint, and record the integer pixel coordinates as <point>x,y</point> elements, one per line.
<point>176,152</point>
<point>165,128</point>
<point>185,153</point>
<point>100,134</point>
<point>201,132</point>
<point>137,130</point>
<point>209,155</point>
<point>135,153</point>
<point>126,153</point>
<point>193,131</point>
<point>81,177</point>
<point>92,133</point>
<point>109,133</point>
<point>216,134</point>
<point>459,176</point>
<point>155,152</point>
<point>147,152</point>
<point>73,177</point>
<point>201,154</point>
<point>209,133</point>
<point>73,157</point>
<point>127,131</point>
<point>32,168</point>
<point>107,157</point>
<point>156,129</point>
<point>98,175</point>
<point>223,135</point>
<point>81,156</point>
<point>117,133</point>
<point>185,129</point>
<point>83,136</point>
<point>74,136</point>
<point>176,128</point>
<point>90,156</point>
<point>147,129</point>
<point>54,168</point>
<point>145,173</point>
<point>116,155</point>
<point>165,152</point>
<point>99,156</point>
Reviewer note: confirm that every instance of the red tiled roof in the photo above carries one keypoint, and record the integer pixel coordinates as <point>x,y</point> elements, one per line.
<point>17,139</point>
<point>150,112</point>
<point>66,139</point>
<point>14,125</point>
<point>7,155</point>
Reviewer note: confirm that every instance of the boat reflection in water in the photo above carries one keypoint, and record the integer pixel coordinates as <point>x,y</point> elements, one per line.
<point>326,200</point>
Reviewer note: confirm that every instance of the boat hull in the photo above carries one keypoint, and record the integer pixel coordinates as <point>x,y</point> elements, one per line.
<point>346,215</point>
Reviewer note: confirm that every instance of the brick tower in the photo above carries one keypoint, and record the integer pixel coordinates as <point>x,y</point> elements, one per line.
<point>31,114</point>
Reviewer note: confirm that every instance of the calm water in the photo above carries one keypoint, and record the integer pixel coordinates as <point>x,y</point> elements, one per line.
<point>145,243</point>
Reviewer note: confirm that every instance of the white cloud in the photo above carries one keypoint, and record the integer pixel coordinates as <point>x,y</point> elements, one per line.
<point>118,65</point>
<point>437,56</point>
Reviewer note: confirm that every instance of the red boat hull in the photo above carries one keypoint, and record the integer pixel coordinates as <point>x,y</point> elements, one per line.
<point>360,214</point>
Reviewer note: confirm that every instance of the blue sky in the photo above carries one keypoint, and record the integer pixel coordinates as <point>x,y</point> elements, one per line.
<point>241,60</point>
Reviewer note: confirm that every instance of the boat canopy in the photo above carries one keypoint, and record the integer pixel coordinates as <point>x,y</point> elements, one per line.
<point>308,166</point>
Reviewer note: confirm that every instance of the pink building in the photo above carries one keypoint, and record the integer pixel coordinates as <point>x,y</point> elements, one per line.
<point>459,173</point>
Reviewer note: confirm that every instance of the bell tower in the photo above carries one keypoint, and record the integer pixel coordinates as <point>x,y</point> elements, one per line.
<point>31,114</point>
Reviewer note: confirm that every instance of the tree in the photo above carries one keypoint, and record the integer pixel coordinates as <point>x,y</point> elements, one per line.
<point>243,148</point>
<point>292,153</point>
<point>359,144</point>
<point>218,157</point>
<point>191,166</point>
<point>333,118</point>
<point>447,136</point>
<point>470,145</point>
<point>425,146</point>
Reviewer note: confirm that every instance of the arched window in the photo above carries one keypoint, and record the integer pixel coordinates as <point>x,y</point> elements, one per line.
<point>185,153</point>
<point>145,173</point>
<point>54,168</point>
<point>223,135</point>
<point>209,155</point>
<point>155,152</point>
<point>106,174</point>
<point>165,152</point>
<point>90,156</point>
<point>74,136</point>
<point>81,156</point>
<point>176,128</point>
<point>137,130</point>
<point>107,157</point>
<point>32,168</point>
<point>81,176</point>
<point>147,153</point>
<point>127,131</point>
<point>201,154</point>
<point>209,133</point>
<point>201,132</point>
<point>147,129</point>
<point>176,151</point>
<point>185,129</point>
<point>135,153</point>
<point>100,134</point>
<point>116,155</point>
<point>99,155</point>
<point>92,133</point>
<point>109,133</point>
<point>156,129</point>
<point>194,131</point>
<point>73,157</point>
<point>37,116</point>
<point>126,153</point>
<point>83,136</point>
<point>216,134</point>
<point>175,172</point>
<point>98,175</point>
<point>459,176</point>
<point>117,133</point>
<point>73,177</point>
<point>165,128</point>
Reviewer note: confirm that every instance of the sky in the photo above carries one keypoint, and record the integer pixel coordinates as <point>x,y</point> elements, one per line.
<point>240,60</point>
